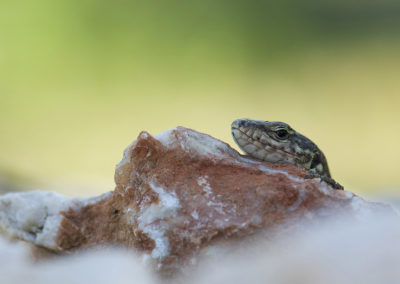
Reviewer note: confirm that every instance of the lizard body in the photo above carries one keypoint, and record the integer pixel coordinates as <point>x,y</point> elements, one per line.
<point>277,142</point>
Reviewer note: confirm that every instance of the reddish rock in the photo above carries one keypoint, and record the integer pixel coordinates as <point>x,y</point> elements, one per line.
<point>181,191</point>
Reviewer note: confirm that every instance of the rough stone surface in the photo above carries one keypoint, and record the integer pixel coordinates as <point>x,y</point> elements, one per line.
<point>179,193</point>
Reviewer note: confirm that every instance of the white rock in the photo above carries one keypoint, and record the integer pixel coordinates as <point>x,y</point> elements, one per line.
<point>35,216</point>
<point>100,267</point>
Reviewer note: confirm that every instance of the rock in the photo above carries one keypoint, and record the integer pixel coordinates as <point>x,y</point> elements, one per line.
<point>329,254</point>
<point>340,253</point>
<point>177,194</point>
<point>17,267</point>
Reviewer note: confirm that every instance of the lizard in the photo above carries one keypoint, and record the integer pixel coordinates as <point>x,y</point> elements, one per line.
<point>277,142</point>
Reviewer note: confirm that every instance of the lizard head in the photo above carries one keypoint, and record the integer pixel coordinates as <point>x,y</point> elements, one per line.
<point>277,142</point>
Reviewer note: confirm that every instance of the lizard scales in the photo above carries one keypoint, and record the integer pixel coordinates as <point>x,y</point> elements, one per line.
<point>277,142</point>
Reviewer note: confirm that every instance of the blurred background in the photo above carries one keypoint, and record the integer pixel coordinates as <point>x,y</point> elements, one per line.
<point>79,79</point>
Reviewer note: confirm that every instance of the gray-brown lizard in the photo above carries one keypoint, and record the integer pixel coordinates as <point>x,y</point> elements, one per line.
<point>277,142</point>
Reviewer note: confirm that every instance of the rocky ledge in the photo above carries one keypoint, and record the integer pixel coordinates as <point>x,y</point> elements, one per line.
<point>178,194</point>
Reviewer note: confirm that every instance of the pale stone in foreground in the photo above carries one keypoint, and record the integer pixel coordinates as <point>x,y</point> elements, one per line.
<point>98,266</point>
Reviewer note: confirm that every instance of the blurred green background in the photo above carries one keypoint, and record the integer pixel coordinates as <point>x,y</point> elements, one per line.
<point>80,79</point>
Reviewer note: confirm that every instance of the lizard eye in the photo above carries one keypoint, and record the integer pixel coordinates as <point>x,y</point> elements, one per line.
<point>282,133</point>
